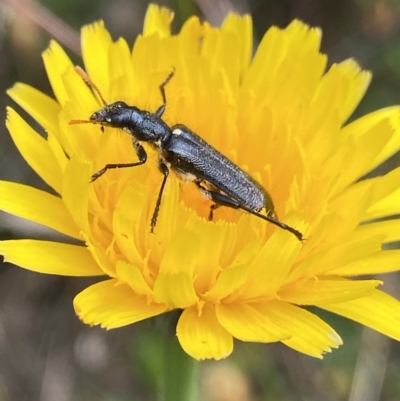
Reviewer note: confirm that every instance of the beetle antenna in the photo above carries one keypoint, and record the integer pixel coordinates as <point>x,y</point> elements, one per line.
<point>73,122</point>
<point>82,73</point>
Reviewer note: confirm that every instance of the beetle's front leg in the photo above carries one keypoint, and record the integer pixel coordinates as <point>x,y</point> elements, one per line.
<point>161,109</point>
<point>141,153</point>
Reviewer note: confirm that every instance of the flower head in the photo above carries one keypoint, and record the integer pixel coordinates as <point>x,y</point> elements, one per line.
<point>279,116</point>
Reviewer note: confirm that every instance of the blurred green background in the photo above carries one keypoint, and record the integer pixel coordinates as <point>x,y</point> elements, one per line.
<point>47,354</point>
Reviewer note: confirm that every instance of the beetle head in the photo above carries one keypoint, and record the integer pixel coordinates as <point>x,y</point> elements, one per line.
<point>110,115</point>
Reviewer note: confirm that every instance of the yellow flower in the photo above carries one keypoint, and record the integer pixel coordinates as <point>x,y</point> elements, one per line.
<point>281,117</point>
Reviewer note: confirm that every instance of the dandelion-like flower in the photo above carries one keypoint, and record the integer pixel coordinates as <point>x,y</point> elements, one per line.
<point>279,116</point>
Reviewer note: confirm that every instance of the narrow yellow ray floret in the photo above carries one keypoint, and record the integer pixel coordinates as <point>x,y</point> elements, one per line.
<point>280,115</point>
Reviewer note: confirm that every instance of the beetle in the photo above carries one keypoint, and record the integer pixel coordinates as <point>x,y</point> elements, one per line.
<point>187,154</point>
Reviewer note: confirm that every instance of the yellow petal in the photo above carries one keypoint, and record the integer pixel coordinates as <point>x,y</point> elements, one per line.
<point>121,77</point>
<point>128,217</point>
<point>34,149</point>
<point>175,290</point>
<point>348,210</point>
<point>327,261</point>
<point>101,256</point>
<point>57,63</point>
<point>247,324</point>
<point>243,27</point>
<point>356,82</point>
<point>95,42</point>
<point>378,310</point>
<point>380,262</point>
<point>75,191</point>
<point>174,285</point>
<point>389,118</point>
<point>41,107</point>
<point>269,55</point>
<point>37,206</point>
<point>183,248</point>
<point>157,20</point>
<point>167,219</point>
<point>217,48</point>
<point>212,249</point>
<point>132,276</point>
<point>50,257</point>
<point>308,333</point>
<point>384,192</point>
<point>188,38</point>
<point>388,206</point>
<point>388,229</point>
<point>230,280</point>
<point>201,336</point>
<point>338,93</point>
<point>113,305</point>
<point>273,264</point>
<point>58,150</point>
<point>362,152</point>
<point>321,291</point>
<point>78,139</point>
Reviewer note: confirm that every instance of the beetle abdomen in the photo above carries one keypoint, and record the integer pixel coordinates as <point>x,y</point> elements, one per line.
<point>188,153</point>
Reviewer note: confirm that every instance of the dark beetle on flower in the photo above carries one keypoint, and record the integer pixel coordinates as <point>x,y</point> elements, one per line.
<point>190,156</point>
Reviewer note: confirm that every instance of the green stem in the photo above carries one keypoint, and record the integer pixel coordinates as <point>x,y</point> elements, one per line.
<point>180,373</point>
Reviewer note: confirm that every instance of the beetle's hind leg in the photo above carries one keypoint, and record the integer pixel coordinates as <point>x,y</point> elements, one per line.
<point>224,200</point>
<point>218,199</point>
<point>213,207</point>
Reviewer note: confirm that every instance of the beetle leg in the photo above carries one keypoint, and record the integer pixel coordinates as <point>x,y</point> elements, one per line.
<point>161,109</point>
<point>224,200</point>
<point>218,198</point>
<point>274,220</point>
<point>165,172</point>
<point>213,207</point>
<point>141,153</point>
